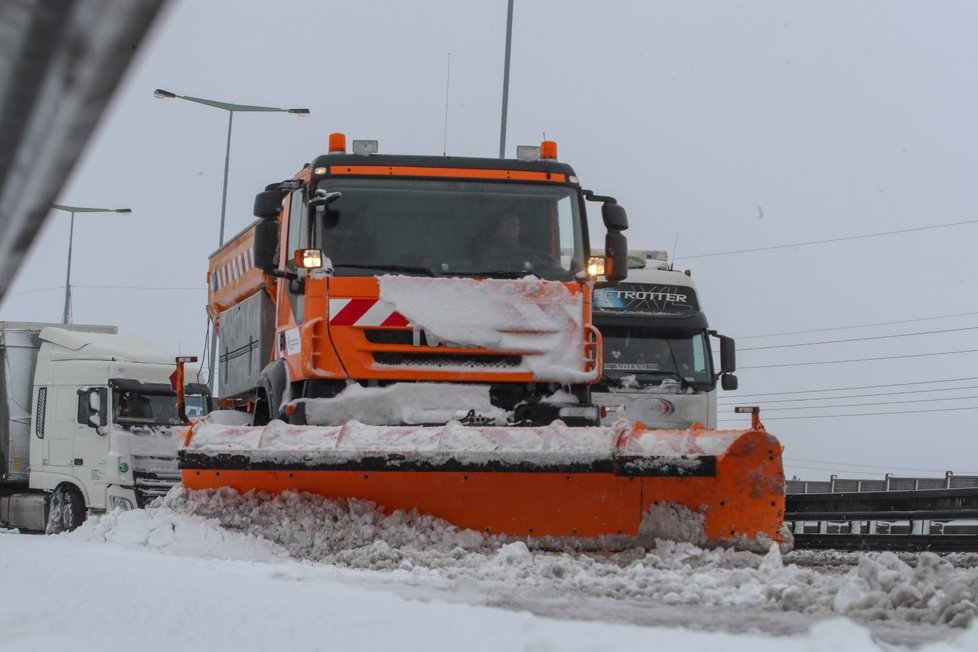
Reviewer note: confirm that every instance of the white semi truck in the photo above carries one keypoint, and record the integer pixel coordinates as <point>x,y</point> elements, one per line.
<point>85,416</point>
<point>658,364</point>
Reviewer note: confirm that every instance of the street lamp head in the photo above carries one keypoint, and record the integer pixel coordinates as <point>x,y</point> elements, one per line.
<point>159,92</point>
<point>124,211</point>
<point>299,111</point>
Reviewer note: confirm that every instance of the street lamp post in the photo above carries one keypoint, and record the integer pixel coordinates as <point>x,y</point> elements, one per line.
<point>66,317</point>
<point>231,109</point>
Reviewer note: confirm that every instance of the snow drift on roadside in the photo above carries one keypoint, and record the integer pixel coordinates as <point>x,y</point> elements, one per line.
<point>177,533</point>
<point>357,534</point>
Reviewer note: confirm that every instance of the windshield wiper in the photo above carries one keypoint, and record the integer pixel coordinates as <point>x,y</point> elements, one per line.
<point>388,268</point>
<point>493,274</point>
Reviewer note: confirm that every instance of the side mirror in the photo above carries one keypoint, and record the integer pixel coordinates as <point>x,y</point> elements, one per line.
<point>268,204</point>
<point>616,257</point>
<point>728,382</point>
<point>728,355</point>
<point>266,244</point>
<point>92,407</point>
<point>614,216</point>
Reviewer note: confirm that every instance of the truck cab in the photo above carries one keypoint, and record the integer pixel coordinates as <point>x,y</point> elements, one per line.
<point>658,363</point>
<point>370,270</point>
<point>97,436</point>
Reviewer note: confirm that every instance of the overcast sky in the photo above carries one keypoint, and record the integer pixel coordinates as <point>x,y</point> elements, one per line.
<point>719,126</point>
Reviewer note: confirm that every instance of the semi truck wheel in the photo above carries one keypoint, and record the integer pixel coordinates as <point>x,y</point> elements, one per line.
<point>67,510</point>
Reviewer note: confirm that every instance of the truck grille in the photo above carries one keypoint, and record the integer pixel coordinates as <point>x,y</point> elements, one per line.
<point>399,336</point>
<point>447,360</point>
<point>153,475</point>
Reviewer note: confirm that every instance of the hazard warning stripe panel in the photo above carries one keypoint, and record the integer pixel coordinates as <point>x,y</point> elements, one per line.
<point>364,312</point>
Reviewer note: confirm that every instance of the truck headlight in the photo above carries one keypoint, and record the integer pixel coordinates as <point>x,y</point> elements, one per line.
<point>121,503</point>
<point>583,411</point>
<point>595,266</point>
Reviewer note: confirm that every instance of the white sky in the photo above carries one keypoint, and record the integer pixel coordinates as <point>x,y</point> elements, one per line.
<point>726,126</point>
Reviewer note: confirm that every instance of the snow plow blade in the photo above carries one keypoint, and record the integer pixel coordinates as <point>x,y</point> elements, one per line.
<point>584,487</point>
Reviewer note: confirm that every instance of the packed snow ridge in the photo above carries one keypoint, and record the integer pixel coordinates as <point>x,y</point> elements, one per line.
<point>425,551</point>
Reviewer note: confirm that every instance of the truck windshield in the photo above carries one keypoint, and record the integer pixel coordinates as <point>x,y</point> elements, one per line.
<point>648,356</point>
<point>451,228</point>
<point>133,408</point>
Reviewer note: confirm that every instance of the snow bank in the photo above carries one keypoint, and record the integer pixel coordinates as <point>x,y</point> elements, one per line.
<point>104,597</point>
<point>356,534</point>
<point>178,533</point>
<point>352,533</point>
<point>667,584</point>
<point>933,591</point>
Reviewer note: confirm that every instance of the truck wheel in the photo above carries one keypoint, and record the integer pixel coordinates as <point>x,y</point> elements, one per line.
<point>67,510</point>
<point>263,408</point>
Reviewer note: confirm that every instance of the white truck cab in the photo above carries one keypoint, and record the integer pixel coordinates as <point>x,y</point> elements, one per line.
<point>658,366</point>
<point>87,427</point>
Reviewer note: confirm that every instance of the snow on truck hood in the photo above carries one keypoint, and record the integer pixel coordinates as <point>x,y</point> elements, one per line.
<point>529,315</point>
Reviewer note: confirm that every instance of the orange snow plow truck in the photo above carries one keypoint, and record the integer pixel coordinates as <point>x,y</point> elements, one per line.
<point>416,331</point>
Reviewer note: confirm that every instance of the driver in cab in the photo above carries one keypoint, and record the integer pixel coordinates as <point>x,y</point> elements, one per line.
<point>504,248</point>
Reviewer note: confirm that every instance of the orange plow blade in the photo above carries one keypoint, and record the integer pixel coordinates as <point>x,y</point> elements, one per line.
<point>599,486</point>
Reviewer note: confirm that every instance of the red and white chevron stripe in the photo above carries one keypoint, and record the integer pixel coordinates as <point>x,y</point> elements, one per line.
<point>364,312</point>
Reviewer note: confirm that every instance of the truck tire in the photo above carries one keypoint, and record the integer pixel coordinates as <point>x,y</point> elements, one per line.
<point>67,510</point>
<point>272,384</point>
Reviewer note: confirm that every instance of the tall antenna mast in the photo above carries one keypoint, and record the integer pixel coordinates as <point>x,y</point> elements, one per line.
<point>448,81</point>
<point>509,41</point>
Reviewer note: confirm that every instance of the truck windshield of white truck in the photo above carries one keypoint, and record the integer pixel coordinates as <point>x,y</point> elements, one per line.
<point>448,228</point>
<point>640,355</point>
<point>132,408</point>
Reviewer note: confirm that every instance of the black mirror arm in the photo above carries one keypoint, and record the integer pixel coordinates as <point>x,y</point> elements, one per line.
<point>590,196</point>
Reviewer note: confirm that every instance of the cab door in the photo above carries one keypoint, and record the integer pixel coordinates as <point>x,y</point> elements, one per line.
<point>91,442</point>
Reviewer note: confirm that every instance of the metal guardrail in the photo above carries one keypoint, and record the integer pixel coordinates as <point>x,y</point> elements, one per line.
<point>944,519</point>
<point>892,542</point>
<point>889,482</point>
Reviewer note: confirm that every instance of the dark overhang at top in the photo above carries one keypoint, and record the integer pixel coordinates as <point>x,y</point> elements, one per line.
<point>443,167</point>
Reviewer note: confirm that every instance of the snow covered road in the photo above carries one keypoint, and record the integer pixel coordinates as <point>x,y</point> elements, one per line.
<point>299,572</point>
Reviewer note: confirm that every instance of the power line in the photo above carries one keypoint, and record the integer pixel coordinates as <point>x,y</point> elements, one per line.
<point>842,328</point>
<point>866,466</point>
<point>860,339</point>
<point>829,469</point>
<point>841,469</point>
<point>849,405</point>
<point>888,357</point>
<point>829,240</point>
<point>836,470</point>
<point>844,389</point>
<point>111,287</point>
<point>861,414</point>
<point>139,287</point>
<point>57,287</point>
<point>832,398</point>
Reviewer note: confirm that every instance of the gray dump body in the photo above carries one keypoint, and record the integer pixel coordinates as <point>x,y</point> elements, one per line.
<point>19,344</point>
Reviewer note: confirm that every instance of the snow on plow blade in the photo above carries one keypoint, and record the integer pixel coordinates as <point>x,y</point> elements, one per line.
<point>591,486</point>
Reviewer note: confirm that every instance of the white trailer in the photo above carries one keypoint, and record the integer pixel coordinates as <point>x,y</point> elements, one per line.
<point>85,417</point>
<point>658,366</point>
